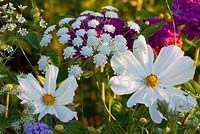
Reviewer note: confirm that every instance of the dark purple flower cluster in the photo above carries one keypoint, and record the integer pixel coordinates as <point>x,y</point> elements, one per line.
<point>165,36</point>
<point>37,128</point>
<point>187,13</point>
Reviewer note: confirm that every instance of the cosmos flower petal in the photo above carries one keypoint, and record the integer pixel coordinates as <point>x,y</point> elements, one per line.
<point>144,95</point>
<point>179,72</point>
<point>47,110</point>
<point>31,88</point>
<point>38,106</point>
<point>42,114</point>
<point>155,114</point>
<point>66,91</point>
<point>143,53</point>
<point>64,114</point>
<point>126,63</point>
<point>162,94</point>
<point>124,84</point>
<point>50,79</point>
<point>167,56</point>
<point>180,100</point>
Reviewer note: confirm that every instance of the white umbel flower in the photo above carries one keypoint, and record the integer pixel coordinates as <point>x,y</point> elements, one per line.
<point>86,12</point>
<point>64,38</point>
<point>2,109</point>
<point>110,14</point>
<point>105,37</point>
<point>86,51</point>
<point>69,52</point>
<point>81,32</point>
<point>81,18</point>
<point>78,41</point>
<point>150,81</point>
<point>75,70</point>
<point>93,23</point>
<point>65,21</point>
<point>11,26</point>
<point>43,62</point>
<point>22,31</point>
<point>49,29</point>
<point>100,59</point>
<point>109,28</point>
<point>43,23</point>
<point>97,14</point>
<point>46,39</point>
<point>62,31</point>
<point>111,8</point>
<point>92,41</point>
<point>91,32</point>
<point>120,39</point>
<point>48,99</point>
<point>134,26</point>
<point>20,18</point>
<point>76,24</point>
<point>120,47</point>
<point>104,49</point>
<point>21,7</point>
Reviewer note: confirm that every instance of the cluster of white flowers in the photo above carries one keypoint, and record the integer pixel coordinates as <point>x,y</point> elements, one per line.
<point>43,63</point>
<point>2,109</point>
<point>12,21</point>
<point>90,36</point>
<point>75,70</point>
<point>27,119</point>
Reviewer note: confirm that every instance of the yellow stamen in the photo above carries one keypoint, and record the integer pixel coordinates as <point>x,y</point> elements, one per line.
<point>151,80</point>
<point>48,99</point>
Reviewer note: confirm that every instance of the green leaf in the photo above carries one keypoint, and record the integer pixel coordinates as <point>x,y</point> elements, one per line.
<point>87,74</point>
<point>75,127</point>
<point>33,39</point>
<point>192,86</point>
<point>152,29</point>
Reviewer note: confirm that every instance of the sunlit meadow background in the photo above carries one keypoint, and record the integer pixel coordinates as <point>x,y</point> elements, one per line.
<point>93,117</point>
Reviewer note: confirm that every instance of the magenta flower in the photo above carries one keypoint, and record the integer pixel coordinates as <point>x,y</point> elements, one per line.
<point>165,36</point>
<point>187,13</point>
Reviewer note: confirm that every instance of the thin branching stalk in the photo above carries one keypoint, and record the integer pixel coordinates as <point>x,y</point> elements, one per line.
<point>173,23</point>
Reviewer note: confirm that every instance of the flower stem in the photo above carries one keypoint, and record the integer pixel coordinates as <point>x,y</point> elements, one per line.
<point>196,56</point>
<point>103,97</point>
<point>7,103</point>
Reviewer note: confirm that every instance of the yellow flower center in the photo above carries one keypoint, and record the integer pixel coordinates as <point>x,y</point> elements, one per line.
<point>151,80</point>
<point>48,99</point>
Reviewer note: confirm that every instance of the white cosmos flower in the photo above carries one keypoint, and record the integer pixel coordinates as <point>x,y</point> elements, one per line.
<point>150,81</point>
<point>48,99</point>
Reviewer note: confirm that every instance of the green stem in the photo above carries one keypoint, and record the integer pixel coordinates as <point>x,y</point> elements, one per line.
<point>174,26</point>
<point>196,56</point>
<point>7,104</point>
<point>26,57</point>
<point>103,95</point>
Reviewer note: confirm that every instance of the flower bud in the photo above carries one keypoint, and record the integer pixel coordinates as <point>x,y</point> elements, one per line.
<point>143,120</point>
<point>59,127</point>
<point>35,12</point>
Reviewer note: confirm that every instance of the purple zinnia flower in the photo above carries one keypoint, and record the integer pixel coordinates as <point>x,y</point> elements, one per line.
<point>37,128</point>
<point>165,36</point>
<point>187,13</point>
